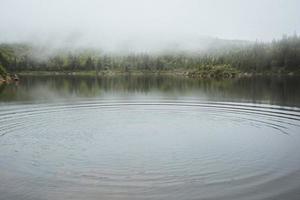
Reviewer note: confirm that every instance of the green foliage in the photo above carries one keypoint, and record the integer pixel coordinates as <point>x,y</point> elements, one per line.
<point>218,71</point>
<point>279,56</point>
<point>3,72</point>
<point>3,61</point>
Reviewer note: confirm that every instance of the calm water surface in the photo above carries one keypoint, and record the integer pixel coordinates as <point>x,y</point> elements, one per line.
<point>150,137</point>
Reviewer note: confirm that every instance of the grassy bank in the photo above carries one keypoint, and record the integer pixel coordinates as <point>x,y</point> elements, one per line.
<point>206,72</point>
<point>104,73</point>
<point>219,71</point>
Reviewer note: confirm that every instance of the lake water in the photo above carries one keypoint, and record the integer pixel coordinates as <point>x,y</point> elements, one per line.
<point>150,137</point>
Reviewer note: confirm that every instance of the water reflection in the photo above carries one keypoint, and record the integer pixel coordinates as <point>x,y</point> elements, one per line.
<point>275,90</point>
<point>149,137</point>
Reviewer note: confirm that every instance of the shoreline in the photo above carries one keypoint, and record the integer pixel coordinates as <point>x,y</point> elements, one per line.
<point>179,73</point>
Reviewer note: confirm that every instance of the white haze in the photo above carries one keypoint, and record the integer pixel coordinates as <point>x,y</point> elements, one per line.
<point>145,25</point>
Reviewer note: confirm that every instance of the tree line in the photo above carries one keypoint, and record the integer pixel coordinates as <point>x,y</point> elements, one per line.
<point>277,56</point>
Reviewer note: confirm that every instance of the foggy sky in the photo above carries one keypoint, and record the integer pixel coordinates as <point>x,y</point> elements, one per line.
<point>144,24</point>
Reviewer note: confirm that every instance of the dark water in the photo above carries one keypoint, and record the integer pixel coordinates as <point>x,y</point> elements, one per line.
<point>150,138</point>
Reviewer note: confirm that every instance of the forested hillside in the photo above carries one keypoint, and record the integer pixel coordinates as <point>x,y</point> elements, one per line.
<point>278,56</point>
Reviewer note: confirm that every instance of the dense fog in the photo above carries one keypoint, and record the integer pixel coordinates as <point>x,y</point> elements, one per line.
<point>144,26</point>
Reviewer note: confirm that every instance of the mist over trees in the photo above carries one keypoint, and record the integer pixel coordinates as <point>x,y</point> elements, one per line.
<point>278,56</point>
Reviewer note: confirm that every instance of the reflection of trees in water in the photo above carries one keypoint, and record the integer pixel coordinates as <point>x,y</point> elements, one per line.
<point>8,91</point>
<point>256,89</point>
<point>272,90</point>
<point>2,87</point>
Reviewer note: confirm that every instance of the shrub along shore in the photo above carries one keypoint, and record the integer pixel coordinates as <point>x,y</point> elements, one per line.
<point>219,72</point>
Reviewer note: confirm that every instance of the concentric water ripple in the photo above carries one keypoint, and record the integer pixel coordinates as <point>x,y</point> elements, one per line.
<point>147,149</point>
